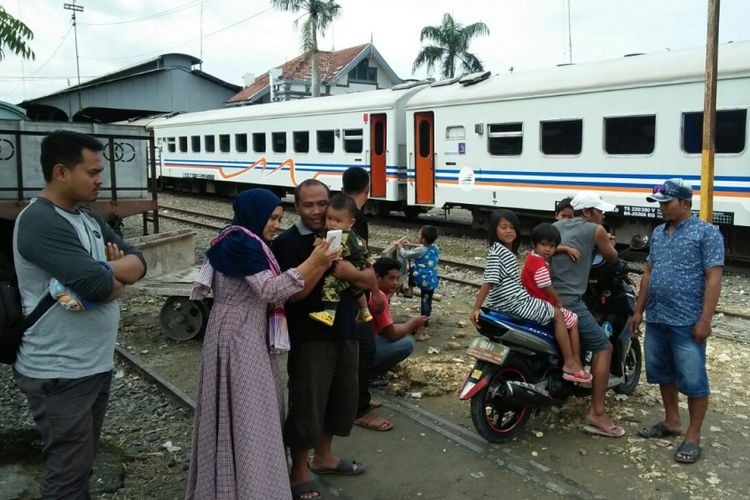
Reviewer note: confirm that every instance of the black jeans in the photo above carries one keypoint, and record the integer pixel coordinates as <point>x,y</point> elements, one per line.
<point>366,354</point>
<point>68,413</point>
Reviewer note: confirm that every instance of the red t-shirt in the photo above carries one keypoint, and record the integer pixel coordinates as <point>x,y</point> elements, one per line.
<point>535,277</point>
<point>383,319</point>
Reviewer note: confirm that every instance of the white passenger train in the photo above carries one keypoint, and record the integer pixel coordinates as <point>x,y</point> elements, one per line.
<point>518,140</point>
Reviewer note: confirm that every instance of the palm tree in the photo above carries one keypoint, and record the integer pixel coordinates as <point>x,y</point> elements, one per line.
<point>451,44</point>
<point>14,35</point>
<point>319,15</point>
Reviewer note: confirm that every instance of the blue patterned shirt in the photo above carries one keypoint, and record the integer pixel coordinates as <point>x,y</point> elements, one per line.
<point>675,292</point>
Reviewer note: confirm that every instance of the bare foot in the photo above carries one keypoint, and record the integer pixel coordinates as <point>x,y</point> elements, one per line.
<point>601,421</point>
<point>420,335</point>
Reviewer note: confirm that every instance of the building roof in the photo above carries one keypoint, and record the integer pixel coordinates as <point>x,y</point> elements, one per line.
<point>333,65</point>
<point>9,111</point>
<point>163,62</point>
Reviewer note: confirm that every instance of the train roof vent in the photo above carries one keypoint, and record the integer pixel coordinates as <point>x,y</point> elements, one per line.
<point>473,78</point>
<point>411,84</point>
<point>447,81</point>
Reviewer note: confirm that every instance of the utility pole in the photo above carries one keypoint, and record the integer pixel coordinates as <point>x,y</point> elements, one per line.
<point>570,38</point>
<point>709,113</point>
<point>200,64</point>
<point>76,8</point>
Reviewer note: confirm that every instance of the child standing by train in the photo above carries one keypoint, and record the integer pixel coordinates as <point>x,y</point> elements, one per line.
<point>424,272</point>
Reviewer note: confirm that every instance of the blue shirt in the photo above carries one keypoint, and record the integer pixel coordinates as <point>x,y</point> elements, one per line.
<point>679,260</point>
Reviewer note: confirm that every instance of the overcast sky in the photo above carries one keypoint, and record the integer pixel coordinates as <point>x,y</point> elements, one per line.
<point>524,34</point>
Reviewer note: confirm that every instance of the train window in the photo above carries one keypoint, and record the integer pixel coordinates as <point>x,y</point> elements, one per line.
<point>730,131</point>
<point>326,141</point>
<point>209,142</point>
<point>630,135</point>
<point>563,137</point>
<point>195,143</point>
<point>455,133</point>
<point>379,137</point>
<point>171,147</point>
<point>301,140</point>
<point>259,142</point>
<point>505,139</point>
<point>278,142</point>
<point>240,143</point>
<point>224,143</point>
<point>425,138</point>
<point>353,140</point>
<point>183,144</point>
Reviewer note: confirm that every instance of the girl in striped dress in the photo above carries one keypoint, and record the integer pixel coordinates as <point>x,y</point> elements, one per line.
<point>502,282</point>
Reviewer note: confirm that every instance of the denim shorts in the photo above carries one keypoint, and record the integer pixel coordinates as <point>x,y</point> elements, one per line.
<point>674,357</point>
<point>590,332</point>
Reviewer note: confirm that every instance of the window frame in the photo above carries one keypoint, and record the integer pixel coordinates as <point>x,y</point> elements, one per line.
<point>333,141</point>
<point>558,120</point>
<point>182,143</point>
<point>505,134</point>
<point>300,133</point>
<point>225,140</point>
<point>255,136</point>
<point>171,144</point>
<point>209,143</point>
<point>360,138</point>
<point>629,115</point>
<point>193,140</point>
<point>237,143</point>
<point>274,135</point>
<point>723,154</point>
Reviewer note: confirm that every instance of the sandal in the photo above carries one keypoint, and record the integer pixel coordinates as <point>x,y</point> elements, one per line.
<point>373,422</point>
<point>345,467</point>
<point>306,490</point>
<point>687,453</point>
<point>659,430</point>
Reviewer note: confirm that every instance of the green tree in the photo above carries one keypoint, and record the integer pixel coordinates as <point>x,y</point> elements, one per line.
<point>318,16</point>
<point>450,45</point>
<point>14,35</point>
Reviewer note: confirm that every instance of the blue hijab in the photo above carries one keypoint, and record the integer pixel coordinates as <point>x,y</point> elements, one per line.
<point>238,254</point>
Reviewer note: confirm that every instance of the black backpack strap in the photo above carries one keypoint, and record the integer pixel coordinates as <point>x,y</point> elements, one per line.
<point>42,307</point>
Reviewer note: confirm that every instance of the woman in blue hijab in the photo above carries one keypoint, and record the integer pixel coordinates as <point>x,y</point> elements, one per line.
<point>238,450</point>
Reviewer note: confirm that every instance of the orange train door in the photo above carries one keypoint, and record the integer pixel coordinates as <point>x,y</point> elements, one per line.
<point>377,155</point>
<point>424,149</point>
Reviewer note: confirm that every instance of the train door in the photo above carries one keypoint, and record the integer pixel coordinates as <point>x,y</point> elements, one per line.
<point>424,148</point>
<point>378,146</point>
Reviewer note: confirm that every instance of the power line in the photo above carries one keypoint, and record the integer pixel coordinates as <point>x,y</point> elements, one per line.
<point>155,15</point>
<point>54,52</point>
<point>147,54</point>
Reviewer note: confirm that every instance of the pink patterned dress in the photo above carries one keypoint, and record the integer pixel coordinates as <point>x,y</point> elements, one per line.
<point>238,451</point>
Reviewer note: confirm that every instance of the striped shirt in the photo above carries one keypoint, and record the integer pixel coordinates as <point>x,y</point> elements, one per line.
<point>507,294</point>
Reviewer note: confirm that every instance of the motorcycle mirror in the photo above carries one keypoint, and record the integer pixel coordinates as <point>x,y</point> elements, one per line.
<point>639,241</point>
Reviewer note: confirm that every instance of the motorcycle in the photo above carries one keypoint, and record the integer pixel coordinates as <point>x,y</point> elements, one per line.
<point>518,366</point>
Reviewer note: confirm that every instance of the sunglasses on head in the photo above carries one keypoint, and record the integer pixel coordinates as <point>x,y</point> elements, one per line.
<point>661,188</point>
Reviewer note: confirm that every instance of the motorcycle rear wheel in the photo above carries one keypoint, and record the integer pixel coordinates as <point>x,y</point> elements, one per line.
<point>495,422</point>
<point>632,369</point>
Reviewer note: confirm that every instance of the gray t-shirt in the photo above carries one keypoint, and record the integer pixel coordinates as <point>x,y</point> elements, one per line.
<point>569,278</point>
<point>48,242</point>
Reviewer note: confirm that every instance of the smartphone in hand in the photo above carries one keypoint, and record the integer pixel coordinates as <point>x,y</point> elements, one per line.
<point>334,238</point>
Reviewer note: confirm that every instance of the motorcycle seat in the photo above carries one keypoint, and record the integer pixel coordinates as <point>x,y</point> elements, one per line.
<point>495,316</point>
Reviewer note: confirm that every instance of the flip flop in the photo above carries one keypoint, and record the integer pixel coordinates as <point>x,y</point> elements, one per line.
<point>345,467</point>
<point>581,376</point>
<point>373,422</point>
<point>659,430</point>
<point>300,489</point>
<point>615,431</point>
<point>687,453</point>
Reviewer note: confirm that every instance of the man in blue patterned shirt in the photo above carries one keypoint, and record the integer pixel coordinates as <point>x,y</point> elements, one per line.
<point>679,292</point>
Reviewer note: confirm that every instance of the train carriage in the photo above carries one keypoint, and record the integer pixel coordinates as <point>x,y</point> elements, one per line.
<point>279,145</point>
<point>526,140</point>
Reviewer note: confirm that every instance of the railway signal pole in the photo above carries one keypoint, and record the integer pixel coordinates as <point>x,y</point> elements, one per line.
<point>709,113</point>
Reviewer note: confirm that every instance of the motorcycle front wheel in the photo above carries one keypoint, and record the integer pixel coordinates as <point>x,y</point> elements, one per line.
<point>632,369</point>
<point>499,422</point>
